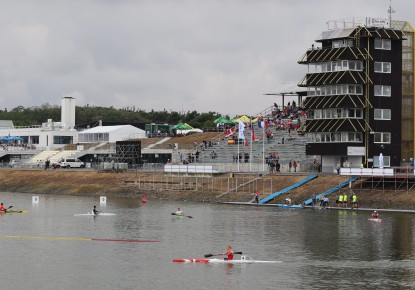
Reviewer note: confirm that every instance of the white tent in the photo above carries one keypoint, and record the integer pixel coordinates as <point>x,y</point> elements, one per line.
<point>110,134</point>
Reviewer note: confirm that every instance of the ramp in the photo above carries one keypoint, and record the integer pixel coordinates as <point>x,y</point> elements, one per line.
<point>295,185</point>
<point>343,184</point>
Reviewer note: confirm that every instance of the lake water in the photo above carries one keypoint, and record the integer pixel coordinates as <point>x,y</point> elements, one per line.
<point>319,249</point>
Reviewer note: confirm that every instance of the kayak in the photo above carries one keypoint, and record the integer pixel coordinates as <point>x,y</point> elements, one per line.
<point>243,260</point>
<point>14,211</point>
<point>375,219</point>
<point>91,214</point>
<point>290,205</point>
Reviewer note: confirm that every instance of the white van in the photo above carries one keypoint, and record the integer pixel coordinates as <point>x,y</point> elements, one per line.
<point>71,163</point>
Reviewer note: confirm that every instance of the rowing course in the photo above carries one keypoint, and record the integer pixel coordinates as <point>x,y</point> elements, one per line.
<point>285,190</point>
<point>79,239</point>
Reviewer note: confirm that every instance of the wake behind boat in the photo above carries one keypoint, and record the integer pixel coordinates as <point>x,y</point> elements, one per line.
<point>243,260</point>
<point>92,214</point>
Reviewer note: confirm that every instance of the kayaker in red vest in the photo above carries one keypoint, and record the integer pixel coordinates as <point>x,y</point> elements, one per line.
<point>144,199</point>
<point>229,253</point>
<point>375,215</point>
<point>2,208</point>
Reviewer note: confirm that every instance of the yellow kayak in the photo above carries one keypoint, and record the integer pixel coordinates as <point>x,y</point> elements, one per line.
<point>14,211</point>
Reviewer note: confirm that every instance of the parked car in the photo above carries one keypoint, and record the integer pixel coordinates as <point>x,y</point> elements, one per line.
<point>71,163</point>
<point>55,165</point>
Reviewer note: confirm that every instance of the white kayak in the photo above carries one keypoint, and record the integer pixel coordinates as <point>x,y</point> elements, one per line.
<point>92,214</point>
<point>376,219</point>
<point>243,260</point>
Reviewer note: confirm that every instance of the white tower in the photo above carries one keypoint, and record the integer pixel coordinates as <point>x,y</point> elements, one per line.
<point>68,113</point>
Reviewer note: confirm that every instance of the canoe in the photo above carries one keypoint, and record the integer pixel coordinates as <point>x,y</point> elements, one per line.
<point>290,205</point>
<point>91,214</point>
<point>243,260</point>
<point>14,211</point>
<point>376,219</point>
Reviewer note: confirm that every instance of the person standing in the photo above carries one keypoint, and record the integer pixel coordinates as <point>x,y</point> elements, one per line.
<point>289,166</point>
<point>344,200</point>
<point>341,200</point>
<point>47,164</point>
<point>354,200</point>
<point>295,166</point>
<point>257,193</point>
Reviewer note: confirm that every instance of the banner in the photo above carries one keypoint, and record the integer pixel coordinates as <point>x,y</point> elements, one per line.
<point>241,130</point>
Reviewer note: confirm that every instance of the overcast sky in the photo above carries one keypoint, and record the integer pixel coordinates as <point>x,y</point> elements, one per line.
<point>201,55</point>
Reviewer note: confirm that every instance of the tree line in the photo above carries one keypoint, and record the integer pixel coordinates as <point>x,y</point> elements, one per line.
<point>22,116</point>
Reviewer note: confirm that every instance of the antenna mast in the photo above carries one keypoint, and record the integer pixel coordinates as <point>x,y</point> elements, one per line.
<point>390,11</point>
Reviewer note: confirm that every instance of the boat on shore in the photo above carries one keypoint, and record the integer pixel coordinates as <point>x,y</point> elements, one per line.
<point>282,205</point>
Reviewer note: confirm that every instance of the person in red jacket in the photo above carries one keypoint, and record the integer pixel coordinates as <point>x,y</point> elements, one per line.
<point>229,253</point>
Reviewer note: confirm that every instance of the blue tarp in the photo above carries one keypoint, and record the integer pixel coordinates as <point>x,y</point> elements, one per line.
<point>343,184</point>
<point>275,194</point>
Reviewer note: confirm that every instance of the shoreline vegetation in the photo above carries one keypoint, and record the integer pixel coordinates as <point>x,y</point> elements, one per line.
<point>191,189</point>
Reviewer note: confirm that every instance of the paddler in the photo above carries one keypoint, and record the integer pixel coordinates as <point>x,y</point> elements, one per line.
<point>228,253</point>
<point>375,215</point>
<point>94,210</point>
<point>2,208</point>
<point>179,211</point>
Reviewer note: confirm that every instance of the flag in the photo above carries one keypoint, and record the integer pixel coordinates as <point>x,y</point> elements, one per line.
<point>253,136</point>
<point>229,132</point>
<point>241,130</point>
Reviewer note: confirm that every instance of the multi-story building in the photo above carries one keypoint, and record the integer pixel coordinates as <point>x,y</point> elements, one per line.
<point>360,94</point>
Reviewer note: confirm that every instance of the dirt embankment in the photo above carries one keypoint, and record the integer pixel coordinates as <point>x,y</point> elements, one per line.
<point>83,182</point>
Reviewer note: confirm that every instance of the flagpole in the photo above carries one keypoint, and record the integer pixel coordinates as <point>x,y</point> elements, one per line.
<point>263,148</point>
<point>250,151</point>
<point>238,153</point>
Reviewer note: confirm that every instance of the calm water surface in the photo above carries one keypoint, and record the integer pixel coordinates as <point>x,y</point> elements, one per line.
<point>319,249</point>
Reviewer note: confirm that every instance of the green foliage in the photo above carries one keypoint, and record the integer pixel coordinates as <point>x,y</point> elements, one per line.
<point>22,116</point>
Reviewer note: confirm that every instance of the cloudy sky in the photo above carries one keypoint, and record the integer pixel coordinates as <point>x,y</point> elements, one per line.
<point>182,55</point>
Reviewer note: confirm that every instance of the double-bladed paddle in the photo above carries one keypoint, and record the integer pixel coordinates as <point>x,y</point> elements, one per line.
<point>211,255</point>
<point>173,213</point>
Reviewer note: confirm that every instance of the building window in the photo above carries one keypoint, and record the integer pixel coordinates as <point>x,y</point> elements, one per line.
<point>386,161</point>
<point>382,91</point>
<point>342,43</point>
<point>335,90</point>
<point>337,113</point>
<point>382,137</point>
<point>384,44</point>
<point>382,114</point>
<point>382,67</point>
<point>336,137</point>
<point>62,139</point>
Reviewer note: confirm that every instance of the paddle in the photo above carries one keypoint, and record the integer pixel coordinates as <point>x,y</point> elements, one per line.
<point>211,255</point>
<point>181,215</point>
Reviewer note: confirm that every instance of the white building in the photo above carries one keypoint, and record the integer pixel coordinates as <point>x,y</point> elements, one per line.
<point>49,135</point>
<point>110,134</point>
